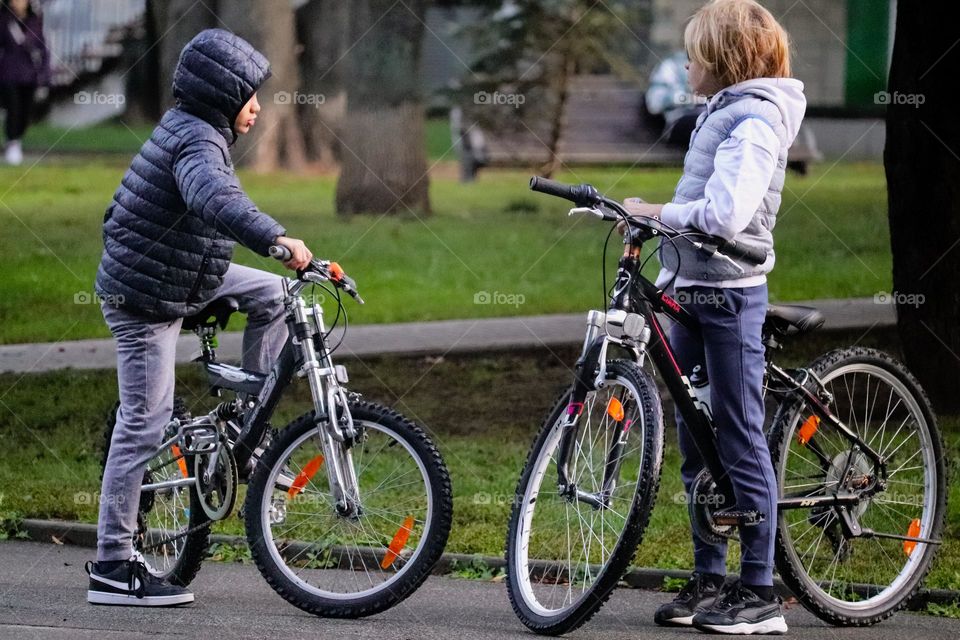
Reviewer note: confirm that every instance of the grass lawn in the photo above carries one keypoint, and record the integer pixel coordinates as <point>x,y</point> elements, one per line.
<point>492,236</point>
<point>115,136</point>
<point>53,425</point>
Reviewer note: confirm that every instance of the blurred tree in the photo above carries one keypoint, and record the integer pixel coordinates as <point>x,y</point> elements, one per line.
<point>141,59</point>
<point>175,22</point>
<point>323,30</point>
<point>922,159</point>
<point>526,52</point>
<point>383,157</point>
<point>276,142</point>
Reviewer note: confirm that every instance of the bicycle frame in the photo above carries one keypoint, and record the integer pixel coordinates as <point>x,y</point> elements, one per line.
<point>635,295</point>
<point>306,354</point>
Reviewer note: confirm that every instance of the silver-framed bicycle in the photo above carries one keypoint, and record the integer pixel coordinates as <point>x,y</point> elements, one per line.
<point>347,508</point>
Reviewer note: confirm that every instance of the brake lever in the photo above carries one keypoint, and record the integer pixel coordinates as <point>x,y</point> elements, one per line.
<point>592,211</point>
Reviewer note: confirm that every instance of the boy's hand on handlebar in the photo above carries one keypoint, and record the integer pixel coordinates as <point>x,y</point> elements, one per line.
<point>638,208</point>
<point>300,255</point>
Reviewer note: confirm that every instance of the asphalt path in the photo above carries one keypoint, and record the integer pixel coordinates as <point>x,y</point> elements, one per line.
<point>42,596</point>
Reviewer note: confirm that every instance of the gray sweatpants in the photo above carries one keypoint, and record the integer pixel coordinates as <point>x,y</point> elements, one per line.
<point>145,373</point>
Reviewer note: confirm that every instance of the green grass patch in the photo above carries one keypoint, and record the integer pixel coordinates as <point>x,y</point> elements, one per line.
<point>475,569</point>
<point>110,137</point>
<point>491,236</point>
<point>117,137</point>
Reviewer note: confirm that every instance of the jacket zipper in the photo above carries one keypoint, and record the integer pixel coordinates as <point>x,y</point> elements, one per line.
<point>200,273</point>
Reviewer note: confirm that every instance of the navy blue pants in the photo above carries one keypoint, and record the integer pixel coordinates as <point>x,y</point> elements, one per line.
<point>728,343</point>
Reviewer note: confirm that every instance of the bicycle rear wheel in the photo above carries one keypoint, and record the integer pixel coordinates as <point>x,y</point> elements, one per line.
<point>564,556</point>
<point>349,566</point>
<point>848,580</point>
<point>170,533</point>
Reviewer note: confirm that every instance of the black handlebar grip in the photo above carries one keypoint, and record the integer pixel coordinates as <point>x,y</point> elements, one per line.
<point>753,255</point>
<point>280,253</point>
<point>582,195</point>
<point>552,187</point>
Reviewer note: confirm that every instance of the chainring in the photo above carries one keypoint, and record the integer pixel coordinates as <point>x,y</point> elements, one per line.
<point>217,497</point>
<point>703,500</point>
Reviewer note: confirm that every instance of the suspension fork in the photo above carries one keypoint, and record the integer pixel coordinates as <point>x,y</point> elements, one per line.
<point>328,396</point>
<point>590,375</point>
<point>583,383</point>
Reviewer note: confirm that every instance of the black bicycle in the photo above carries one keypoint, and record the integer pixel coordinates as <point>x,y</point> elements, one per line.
<point>351,540</point>
<point>855,447</point>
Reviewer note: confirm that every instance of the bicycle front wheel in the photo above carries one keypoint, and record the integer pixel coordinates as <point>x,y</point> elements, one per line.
<point>852,580</point>
<point>565,554</point>
<point>348,566</point>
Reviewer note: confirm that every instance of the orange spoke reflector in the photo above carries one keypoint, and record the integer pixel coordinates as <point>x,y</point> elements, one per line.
<point>615,409</point>
<point>912,531</point>
<point>398,543</point>
<point>807,429</point>
<point>304,476</point>
<point>175,450</point>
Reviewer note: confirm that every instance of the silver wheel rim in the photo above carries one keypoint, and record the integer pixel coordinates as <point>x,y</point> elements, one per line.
<point>410,559</point>
<point>169,517</point>
<point>532,499</point>
<point>914,561</point>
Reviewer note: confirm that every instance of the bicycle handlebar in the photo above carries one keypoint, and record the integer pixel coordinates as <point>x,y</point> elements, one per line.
<point>585,195</point>
<point>328,271</point>
<point>732,248</point>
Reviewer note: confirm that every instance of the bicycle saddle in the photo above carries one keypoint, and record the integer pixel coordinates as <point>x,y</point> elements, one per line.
<point>217,312</point>
<point>786,319</point>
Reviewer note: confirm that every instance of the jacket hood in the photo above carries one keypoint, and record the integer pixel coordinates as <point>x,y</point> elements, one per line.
<point>216,76</point>
<point>785,93</point>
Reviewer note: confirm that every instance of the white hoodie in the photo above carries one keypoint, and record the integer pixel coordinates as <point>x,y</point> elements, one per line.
<point>743,168</point>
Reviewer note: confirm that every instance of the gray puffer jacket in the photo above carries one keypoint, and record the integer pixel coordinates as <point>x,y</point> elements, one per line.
<point>168,235</point>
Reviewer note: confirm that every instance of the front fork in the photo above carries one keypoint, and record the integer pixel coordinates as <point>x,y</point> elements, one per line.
<point>335,425</point>
<point>591,375</point>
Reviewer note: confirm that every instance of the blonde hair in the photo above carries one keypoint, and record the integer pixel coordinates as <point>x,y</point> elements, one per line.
<point>737,40</point>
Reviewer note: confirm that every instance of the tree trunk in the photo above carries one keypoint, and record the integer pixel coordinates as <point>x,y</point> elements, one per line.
<point>384,151</point>
<point>323,26</point>
<point>142,58</point>
<point>176,22</point>
<point>923,179</point>
<point>567,67</point>
<point>276,141</point>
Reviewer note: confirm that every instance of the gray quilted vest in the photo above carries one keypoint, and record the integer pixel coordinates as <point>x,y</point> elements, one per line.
<point>723,114</point>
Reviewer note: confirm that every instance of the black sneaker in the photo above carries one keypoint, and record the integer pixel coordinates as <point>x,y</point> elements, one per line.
<point>698,594</point>
<point>130,583</point>
<point>738,610</point>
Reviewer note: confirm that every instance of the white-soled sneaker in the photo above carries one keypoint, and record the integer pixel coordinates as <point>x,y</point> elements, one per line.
<point>130,583</point>
<point>738,610</point>
<point>698,594</point>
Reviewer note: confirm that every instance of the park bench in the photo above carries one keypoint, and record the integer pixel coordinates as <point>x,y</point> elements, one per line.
<point>602,124</point>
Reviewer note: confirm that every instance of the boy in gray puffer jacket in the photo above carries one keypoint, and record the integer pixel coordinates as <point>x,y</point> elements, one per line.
<point>168,239</point>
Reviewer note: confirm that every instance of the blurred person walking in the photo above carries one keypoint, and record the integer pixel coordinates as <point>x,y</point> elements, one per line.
<point>24,70</point>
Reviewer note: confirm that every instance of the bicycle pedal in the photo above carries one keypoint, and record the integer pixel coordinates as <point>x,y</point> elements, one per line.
<point>734,518</point>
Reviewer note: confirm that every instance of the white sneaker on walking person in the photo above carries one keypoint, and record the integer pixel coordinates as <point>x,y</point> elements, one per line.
<point>14,153</point>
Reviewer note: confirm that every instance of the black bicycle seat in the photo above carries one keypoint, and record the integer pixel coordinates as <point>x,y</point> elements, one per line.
<point>787,319</point>
<point>217,313</point>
